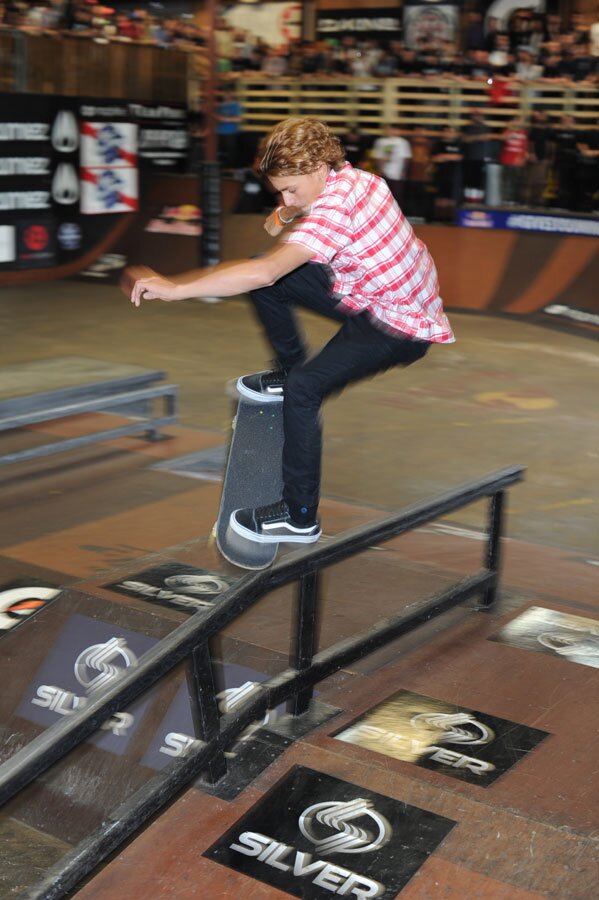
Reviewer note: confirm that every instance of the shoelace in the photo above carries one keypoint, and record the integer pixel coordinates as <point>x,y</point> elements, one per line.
<point>274,378</point>
<point>271,510</point>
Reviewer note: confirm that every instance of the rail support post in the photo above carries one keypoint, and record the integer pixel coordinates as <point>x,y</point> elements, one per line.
<point>204,708</point>
<point>304,642</point>
<point>493,556</point>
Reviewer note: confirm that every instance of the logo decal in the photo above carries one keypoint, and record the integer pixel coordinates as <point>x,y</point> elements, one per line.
<point>176,586</point>
<point>19,603</point>
<point>95,667</point>
<point>558,634</point>
<point>314,836</point>
<point>434,734</point>
<point>69,676</point>
<point>340,818</point>
<point>452,724</point>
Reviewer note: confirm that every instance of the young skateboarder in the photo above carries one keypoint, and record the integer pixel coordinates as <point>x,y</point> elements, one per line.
<point>349,254</point>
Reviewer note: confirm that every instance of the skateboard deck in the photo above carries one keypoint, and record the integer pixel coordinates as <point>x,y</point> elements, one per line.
<point>252,478</point>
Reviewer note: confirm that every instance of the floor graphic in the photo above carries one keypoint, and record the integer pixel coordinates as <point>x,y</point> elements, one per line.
<point>314,835</point>
<point>22,598</point>
<point>176,586</point>
<point>575,638</point>
<point>443,737</point>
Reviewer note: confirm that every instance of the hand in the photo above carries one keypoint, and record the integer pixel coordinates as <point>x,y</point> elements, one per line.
<point>142,282</point>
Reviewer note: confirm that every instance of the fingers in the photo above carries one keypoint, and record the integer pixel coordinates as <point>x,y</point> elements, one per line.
<point>136,282</point>
<point>142,288</point>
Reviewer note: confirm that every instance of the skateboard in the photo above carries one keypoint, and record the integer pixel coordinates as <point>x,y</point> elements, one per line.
<point>252,478</point>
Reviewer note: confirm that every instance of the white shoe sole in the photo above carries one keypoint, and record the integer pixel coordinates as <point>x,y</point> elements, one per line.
<point>271,539</point>
<point>258,395</point>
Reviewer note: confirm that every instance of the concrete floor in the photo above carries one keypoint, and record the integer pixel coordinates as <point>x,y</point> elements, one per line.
<point>506,392</point>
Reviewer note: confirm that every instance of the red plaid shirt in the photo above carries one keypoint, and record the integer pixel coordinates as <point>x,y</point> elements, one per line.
<point>378,263</point>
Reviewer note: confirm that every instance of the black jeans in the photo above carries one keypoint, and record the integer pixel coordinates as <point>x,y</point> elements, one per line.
<point>357,350</point>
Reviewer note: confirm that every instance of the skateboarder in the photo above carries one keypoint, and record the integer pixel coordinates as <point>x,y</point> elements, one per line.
<point>349,254</point>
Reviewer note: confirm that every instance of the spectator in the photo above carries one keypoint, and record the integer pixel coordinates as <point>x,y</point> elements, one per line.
<point>500,58</point>
<point>419,195</point>
<point>519,30</point>
<point>274,63</point>
<point>513,156</point>
<point>451,61</point>
<point>492,30</point>
<point>447,154</point>
<point>527,69</point>
<point>477,66</point>
<point>538,160</point>
<point>387,65</point>
<point>536,36</point>
<point>355,145</point>
<point>588,170</point>
<point>554,68</point>
<point>474,32</point>
<point>228,116</point>
<point>553,28</point>
<point>311,58</point>
<point>581,66</point>
<point>391,154</point>
<point>565,140</point>
<point>408,62</point>
<point>476,137</point>
<point>578,28</point>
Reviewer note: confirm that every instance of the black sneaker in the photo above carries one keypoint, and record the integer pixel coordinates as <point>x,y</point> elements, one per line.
<point>264,386</point>
<point>272,525</point>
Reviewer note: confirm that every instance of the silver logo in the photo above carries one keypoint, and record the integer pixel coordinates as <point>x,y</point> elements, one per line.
<point>339,817</point>
<point>571,643</point>
<point>459,728</point>
<point>197,584</point>
<point>96,666</point>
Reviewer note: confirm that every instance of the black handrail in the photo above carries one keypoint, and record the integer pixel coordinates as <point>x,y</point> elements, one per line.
<point>191,639</point>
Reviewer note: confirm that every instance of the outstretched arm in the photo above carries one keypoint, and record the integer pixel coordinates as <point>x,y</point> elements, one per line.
<point>224,280</point>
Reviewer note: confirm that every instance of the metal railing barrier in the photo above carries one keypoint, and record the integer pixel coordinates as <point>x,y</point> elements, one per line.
<point>190,641</point>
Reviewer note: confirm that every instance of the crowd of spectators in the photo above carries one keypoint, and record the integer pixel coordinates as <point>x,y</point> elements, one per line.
<point>431,172</point>
<point>536,162</point>
<point>149,24</point>
<point>535,165</point>
<point>530,46</point>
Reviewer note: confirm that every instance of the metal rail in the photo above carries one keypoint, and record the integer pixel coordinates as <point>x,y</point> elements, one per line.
<point>295,685</point>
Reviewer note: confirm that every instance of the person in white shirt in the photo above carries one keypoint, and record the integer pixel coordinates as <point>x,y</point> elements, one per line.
<point>391,154</point>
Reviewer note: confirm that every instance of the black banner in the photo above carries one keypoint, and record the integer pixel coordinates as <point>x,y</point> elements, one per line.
<point>70,168</point>
<point>380,23</point>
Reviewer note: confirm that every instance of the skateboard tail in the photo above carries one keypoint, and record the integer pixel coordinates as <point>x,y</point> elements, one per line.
<point>245,553</point>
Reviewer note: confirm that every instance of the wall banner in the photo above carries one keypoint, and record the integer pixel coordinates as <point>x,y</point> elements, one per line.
<point>71,166</point>
<point>429,20</point>
<point>384,22</point>
<point>528,221</point>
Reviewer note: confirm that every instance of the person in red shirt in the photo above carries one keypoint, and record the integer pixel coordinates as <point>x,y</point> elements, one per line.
<point>513,157</point>
<point>349,254</point>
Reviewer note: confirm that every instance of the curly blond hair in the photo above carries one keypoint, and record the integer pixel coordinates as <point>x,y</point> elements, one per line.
<point>299,145</point>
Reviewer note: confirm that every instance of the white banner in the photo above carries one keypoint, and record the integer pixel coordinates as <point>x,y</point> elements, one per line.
<point>275,23</point>
<point>429,23</point>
